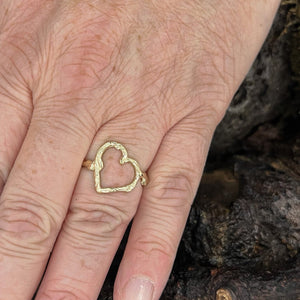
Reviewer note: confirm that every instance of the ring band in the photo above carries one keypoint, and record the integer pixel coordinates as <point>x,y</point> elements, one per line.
<point>97,165</point>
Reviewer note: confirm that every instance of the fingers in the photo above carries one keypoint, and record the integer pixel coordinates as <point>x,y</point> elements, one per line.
<point>35,199</point>
<point>96,223</point>
<point>161,217</point>
<point>14,120</point>
<point>15,114</point>
<point>18,64</point>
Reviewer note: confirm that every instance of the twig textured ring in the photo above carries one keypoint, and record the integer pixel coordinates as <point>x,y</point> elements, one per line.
<point>97,165</point>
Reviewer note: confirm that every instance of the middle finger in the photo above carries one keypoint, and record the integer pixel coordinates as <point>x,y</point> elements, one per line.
<point>35,200</point>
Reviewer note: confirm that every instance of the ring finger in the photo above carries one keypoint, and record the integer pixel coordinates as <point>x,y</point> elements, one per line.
<point>96,223</point>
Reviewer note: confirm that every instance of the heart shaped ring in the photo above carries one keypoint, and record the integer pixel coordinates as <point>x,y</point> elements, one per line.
<point>97,165</point>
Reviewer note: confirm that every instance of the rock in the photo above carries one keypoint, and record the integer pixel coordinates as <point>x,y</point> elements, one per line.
<point>242,240</point>
<point>233,284</point>
<point>265,93</point>
<point>258,229</point>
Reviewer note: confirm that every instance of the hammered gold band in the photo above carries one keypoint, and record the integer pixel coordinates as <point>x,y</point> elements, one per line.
<point>97,165</point>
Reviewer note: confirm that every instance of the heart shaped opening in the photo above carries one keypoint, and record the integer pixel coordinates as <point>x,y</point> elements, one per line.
<point>114,174</point>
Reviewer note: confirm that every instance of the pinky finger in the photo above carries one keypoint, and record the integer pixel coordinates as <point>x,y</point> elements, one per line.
<point>163,211</point>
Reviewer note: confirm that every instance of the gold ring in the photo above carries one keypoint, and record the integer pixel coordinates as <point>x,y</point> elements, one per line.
<point>97,165</point>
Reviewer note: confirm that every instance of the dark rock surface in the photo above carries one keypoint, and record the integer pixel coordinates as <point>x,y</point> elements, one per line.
<point>266,91</point>
<point>246,241</point>
<point>259,229</point>
<point>233,284</point>
<point>242,238</point>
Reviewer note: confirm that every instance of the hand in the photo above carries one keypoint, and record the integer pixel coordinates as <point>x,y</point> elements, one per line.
<point>156,76</point>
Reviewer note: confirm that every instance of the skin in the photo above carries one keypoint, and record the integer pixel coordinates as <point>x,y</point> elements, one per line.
<point>156,76</point>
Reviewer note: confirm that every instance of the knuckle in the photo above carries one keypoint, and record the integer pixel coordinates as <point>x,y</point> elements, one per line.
<point>66,122</point>
<point>206,118</point>
<point>171,191</point>
<point>213,86</point>
<point>154,243</point>
<point>63,295</point>
<point>84,59</point>
<point>26,221</point>
<point>215,113</point>
<point>96,220</point>
<point>18,60</point>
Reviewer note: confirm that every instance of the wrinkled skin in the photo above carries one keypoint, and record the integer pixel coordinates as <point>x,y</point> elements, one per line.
<point>156,76</point>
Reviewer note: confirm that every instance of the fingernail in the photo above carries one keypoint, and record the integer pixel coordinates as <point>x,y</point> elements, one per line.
<point>138,289</point>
